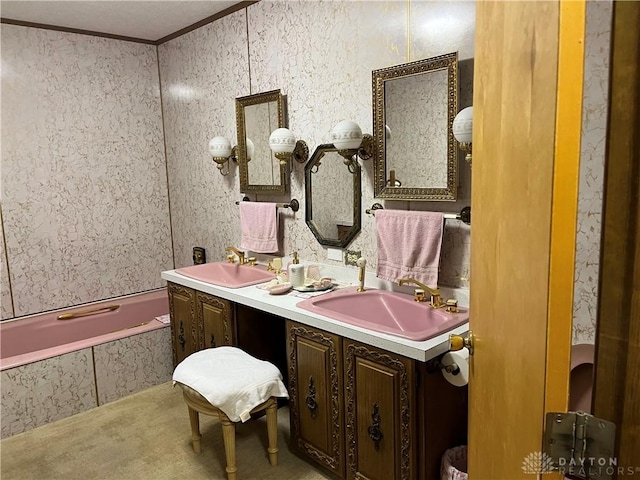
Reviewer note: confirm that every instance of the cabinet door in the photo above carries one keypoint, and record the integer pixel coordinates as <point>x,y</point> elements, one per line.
<point>315,395</point>
<point>182,308</point>
<point>379,389</point>
<point>215,321</point>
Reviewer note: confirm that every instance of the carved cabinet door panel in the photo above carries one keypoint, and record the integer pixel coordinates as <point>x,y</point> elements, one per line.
<point>379,389</point>
<point>215,321</point>
<point>315,391</point>
<point>182,308</point>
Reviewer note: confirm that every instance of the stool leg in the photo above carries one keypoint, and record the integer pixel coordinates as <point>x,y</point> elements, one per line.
<point>272,432</point>
<point>229,437</point>
<point>194,419</point>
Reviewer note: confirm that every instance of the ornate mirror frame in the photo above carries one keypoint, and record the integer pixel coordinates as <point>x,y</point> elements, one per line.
<point>382,187</point>
<point>243,163</point>
<point>332,197</point>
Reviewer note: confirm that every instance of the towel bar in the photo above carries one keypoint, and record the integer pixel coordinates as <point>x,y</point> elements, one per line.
<point>464,215</point>
<point>294,205</point>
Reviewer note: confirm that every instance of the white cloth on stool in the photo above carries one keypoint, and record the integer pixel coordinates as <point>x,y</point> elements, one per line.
<point>231,380</point>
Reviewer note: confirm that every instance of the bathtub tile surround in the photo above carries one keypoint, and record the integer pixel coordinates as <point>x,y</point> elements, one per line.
<point>84,190</point>
<point>48,390</point>
<point>42,392</point>
<point>132,364</point>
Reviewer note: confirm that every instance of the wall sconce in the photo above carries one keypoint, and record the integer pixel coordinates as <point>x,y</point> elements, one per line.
<point>284,145</point>
<point>221,151</point>
<point>347,137</point>
<point>462,130</point>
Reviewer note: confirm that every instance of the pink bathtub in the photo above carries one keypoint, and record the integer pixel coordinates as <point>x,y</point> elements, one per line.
<point>37,337</point>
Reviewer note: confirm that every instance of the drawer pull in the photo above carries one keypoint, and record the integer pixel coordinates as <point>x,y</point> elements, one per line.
<point>181,336</point>
<point>375,433</point>
<point>312,405</point>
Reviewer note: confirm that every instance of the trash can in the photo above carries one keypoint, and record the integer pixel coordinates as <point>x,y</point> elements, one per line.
<point>454,464</point>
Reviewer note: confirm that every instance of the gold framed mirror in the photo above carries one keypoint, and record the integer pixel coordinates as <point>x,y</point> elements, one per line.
<point>333,197</point>
<point>256,117</point>
<point>415,152</point>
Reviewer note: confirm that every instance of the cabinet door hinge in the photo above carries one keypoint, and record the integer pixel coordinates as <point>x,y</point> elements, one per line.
<point>579,444</point>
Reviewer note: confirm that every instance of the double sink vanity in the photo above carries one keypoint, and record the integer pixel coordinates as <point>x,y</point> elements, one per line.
<point>367,399</point>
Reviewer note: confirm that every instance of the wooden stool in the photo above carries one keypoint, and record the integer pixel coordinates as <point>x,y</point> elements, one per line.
<point>227,379</point>
<point>196,404</point>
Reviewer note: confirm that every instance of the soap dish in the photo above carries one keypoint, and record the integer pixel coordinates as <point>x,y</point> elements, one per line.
<point>279,289</point>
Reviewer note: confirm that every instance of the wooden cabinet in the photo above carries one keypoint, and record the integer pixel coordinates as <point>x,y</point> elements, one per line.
<point>366,413</point>
<point>315,395</point>
<point>214,317</point>
<point>379,390</point>
<point>182,308</point>
<point>351,405</point>
<point>198,320</point>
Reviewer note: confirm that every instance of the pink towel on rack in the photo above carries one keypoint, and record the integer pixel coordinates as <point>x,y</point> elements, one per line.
<point>259,227</point>
<point>409,245</point>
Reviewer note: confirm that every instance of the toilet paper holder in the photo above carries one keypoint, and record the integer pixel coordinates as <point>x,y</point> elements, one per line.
<point>435,365</point>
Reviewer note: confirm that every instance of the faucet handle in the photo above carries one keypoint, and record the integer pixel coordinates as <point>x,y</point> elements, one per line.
<point>418,295</point>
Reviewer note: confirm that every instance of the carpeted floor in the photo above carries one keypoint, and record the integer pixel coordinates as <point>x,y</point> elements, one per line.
<point>146,436</point>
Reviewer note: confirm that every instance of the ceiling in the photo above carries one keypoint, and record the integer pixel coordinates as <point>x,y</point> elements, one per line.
<point>147,20</point>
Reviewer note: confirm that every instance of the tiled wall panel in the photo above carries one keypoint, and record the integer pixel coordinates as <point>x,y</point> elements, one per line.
<point>132,364</point>
<point>321,55</point>
<point>84,191</point>
<point>590,190</point>
<point>42,392</point>
<point>202,73</point>
<point>6,303</point>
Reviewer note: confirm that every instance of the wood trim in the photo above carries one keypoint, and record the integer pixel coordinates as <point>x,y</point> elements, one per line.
<point>564,209</point>
<point>160,41</point>
<point>205,21</point>
<point>78,31</point>
<point>617,383</point>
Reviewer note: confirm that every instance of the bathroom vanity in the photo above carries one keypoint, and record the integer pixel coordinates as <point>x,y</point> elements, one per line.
<point>362,404</point>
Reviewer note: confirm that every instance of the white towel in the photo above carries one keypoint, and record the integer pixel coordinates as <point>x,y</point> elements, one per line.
<point>231,380</point>
<point>259,227</point>
<point>409,245</point>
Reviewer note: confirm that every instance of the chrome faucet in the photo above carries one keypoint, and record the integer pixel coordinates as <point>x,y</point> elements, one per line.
<point>361,263</point>
<point>419,293</point>
<point>240,255</point>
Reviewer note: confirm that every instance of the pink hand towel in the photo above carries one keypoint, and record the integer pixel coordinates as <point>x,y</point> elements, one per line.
<point>409,245</point>
<point>259,227</point>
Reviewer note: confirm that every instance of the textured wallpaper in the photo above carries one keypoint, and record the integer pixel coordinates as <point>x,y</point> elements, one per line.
<point>84,192</point>
<point>590,190</point>
<point>321,55</point>
<point>202,73</point>
<point>6,304</point>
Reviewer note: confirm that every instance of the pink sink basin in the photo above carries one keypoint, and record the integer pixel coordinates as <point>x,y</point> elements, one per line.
<point>230,275</point>
<point>387,312</point>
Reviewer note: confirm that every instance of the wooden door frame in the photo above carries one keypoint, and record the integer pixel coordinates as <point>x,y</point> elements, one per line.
<point>617,383</point>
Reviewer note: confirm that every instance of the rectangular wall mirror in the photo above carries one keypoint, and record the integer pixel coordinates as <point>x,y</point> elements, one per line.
<point>256,117</point>
<point>415,153</point>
